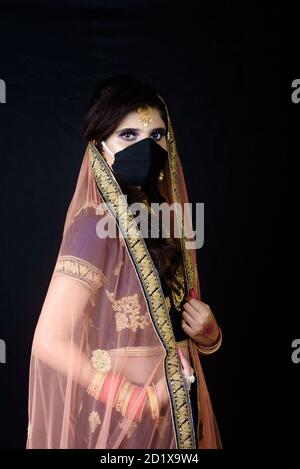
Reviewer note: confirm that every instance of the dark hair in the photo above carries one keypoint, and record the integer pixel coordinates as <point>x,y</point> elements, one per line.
<point>113,98</point>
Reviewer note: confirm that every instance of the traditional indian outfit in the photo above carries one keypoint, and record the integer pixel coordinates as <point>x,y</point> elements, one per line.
<point>123,329</point>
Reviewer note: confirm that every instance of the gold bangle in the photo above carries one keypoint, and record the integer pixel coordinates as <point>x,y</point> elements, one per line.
<point>153,401</point>
<point>212,348</point>
<point>122,395</point>
<point>95,386</point>
<point>156,400</point>
<point>126,399</point>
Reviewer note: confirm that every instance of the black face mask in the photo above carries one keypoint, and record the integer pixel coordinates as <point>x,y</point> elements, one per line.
<point>140,163</point>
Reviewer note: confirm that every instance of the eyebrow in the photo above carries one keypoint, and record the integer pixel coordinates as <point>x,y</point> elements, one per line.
<point>128,129</point>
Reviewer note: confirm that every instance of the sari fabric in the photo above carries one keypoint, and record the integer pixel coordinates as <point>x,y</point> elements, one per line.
<point>106,310</point>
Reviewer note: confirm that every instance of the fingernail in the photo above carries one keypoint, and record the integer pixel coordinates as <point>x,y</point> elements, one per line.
<point>192,293</point>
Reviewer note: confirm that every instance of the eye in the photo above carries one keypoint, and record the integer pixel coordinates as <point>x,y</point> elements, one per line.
<point>127,134</point>
<point>157,134</point>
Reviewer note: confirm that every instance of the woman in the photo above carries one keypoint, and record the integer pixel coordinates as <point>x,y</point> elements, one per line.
<point>115,357</point>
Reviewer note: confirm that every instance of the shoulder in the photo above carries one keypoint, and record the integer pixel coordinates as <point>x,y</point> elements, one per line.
<point>87,237</point>
<point>84,250</point>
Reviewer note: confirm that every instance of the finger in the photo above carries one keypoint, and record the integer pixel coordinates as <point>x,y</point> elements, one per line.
<point>200,303</point>
<point>201,312</point>
<point>191,310</point>
<point>189,369</point>
<point>187,329</point>
<point>185,363</point>
<point>188,319</point>
<point>197,304</point>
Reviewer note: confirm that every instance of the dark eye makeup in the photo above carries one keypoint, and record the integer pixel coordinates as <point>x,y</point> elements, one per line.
<point>130,134</point>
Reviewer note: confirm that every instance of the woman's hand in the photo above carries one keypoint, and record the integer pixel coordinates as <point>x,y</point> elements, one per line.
<point>186,366</point>
<point>187,369</point>
<point>160,385</point>
<point>198,321</point>
<point>161,389</point>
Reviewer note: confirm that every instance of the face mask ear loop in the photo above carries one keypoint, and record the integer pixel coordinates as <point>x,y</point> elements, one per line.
<point>107,149</point>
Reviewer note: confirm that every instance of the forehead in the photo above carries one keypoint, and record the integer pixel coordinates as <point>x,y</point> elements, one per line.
<point>133,119</point>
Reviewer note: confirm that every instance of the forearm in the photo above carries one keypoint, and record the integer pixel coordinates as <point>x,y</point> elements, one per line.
<point>66,358</point>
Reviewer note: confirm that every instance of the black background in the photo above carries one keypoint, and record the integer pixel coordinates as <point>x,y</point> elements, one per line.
<point>221,69</point>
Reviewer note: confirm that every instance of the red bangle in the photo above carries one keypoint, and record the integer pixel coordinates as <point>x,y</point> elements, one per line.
<point>134,396</point>
<point>110,387</point>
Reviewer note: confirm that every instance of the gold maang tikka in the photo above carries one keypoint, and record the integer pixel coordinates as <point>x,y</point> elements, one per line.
<point>145,113</point>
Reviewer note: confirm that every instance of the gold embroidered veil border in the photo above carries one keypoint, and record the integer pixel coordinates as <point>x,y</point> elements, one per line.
<point>105,295</point>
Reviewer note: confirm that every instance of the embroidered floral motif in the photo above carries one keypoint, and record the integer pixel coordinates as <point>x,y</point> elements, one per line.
<point>101,361</point>
<point>127,310</point>
<point>132,426</point>
<point>94,420</point>
<point>117,269</point>
<point>80,269</point>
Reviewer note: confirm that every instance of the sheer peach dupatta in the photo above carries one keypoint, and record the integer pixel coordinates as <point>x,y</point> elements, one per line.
<point>104,334</point>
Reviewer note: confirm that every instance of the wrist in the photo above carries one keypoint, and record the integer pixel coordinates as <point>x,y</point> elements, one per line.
<point>212,345</point>
<point>209,335</point>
